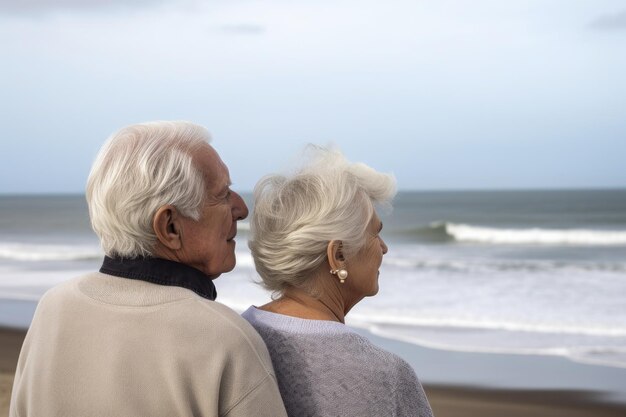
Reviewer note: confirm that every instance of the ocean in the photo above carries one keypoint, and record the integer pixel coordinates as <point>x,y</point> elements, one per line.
<point>522,272</point>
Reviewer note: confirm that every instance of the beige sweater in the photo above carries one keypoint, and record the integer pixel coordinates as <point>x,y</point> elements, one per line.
<point>107,346</point>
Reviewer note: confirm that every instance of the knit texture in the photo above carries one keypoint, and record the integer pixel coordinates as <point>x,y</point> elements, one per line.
<point>326,369</point>
<point>108,346</point>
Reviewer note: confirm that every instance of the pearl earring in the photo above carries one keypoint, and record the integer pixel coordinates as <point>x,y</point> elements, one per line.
<point>342,274</point>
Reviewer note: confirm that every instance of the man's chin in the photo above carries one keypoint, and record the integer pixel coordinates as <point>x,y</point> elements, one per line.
<point>227,265</point>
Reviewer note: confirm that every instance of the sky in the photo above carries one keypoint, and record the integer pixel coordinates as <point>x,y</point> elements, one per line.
<point>446,94</point>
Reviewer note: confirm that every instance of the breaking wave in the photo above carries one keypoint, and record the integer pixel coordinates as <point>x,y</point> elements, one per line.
<point>445,231</point>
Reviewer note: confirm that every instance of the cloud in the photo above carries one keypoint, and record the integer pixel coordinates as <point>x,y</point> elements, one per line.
<point>610,21</point>
<point>46,6</point>
<point>243,29</point>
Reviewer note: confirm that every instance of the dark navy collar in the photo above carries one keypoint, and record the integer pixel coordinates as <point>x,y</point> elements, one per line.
<point>162,272</point>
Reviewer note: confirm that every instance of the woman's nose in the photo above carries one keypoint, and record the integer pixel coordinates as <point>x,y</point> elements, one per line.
<point>384,246</point>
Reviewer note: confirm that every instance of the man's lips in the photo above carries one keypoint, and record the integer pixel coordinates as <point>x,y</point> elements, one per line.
<point>233,233</point>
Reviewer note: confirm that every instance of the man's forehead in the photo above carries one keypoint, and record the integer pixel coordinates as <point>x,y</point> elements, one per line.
<point>215,171</point>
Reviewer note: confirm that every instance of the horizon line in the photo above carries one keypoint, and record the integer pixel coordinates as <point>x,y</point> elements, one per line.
<point>403,190</point>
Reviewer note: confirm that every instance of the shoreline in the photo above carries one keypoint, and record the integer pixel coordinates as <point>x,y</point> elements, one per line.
<point>447,399</point>
<point>505,371</point>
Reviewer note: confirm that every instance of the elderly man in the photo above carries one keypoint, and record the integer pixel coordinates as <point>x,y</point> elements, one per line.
<point>143,336</point>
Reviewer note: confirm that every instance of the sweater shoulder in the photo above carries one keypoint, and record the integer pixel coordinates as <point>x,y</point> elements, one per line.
<point>323,367</point>
<point>61,293</point>
<point>234,326</point>
<point>374,359</point>
<point>180,309</point>
<point>325,344</point>
<point>237,338</point>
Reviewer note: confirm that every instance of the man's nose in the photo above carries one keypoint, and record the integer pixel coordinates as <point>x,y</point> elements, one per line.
<point>240,210</point>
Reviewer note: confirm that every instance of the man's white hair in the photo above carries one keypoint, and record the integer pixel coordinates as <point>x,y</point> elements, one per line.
<point>138,170</point>
<point>296,216</point>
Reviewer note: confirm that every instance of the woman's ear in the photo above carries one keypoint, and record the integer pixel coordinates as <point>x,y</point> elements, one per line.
<point>334,250</point>
<point>167,228</point>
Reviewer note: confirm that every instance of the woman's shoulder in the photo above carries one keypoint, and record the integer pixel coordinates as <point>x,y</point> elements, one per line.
<point>337,343</point>
<point>378,359</point>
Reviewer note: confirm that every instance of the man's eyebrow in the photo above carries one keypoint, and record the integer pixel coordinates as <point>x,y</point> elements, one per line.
<point>226,186</point>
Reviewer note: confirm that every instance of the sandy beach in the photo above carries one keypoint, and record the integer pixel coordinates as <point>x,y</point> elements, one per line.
<point>446,400</point>
<point>10,344</point>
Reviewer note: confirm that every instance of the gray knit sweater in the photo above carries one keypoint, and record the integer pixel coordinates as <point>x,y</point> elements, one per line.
<point>325,369</point>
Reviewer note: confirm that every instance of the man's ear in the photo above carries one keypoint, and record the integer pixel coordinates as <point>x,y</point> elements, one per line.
<point>334,250</point>
<point>166,225</point>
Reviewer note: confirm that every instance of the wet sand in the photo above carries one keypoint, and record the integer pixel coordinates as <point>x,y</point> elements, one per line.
<point>10,344</point>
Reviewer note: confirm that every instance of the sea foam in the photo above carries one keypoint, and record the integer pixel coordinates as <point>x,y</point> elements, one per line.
<point>48,252</point>
<point>375,318</point>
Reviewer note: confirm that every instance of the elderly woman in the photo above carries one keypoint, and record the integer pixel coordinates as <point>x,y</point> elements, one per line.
<point>315,239</point>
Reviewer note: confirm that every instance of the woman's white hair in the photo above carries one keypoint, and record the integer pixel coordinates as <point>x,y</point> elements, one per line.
<point>138,170</point>
<point>296,216</point>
